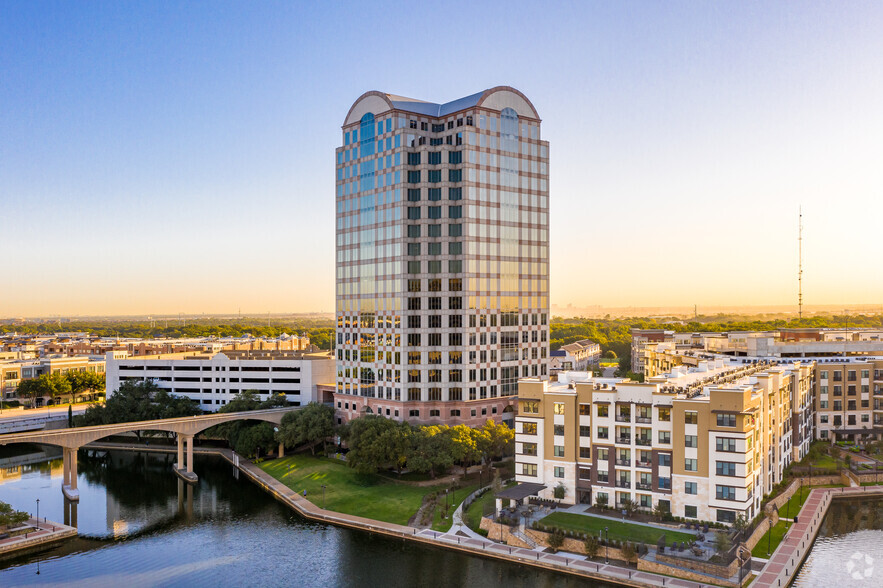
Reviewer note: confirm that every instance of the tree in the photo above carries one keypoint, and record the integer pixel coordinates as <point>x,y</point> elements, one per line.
<point>660,511</point>
<point>464,445</point>
<point>601,500</point>
<point>555,540</point>
<point>559,492</point>
<point>494,440</point>
<point>253,438</point>
<point>365,437</point>
<point>309,425</point>
<point>430,451</point>
<point>722,542</point>
<point>629,506</point>
<point>396,441</point>
<point>81,382</point>
<point>138,401</point>
<point>611,354</point>
<point>628,552</point>
<point>248,437</point>
<point>10,517</point>
<point>592,546</point>
<point>28,389</point>
<point>741,523</point>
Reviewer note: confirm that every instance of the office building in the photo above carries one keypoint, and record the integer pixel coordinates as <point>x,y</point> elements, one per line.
<point>442,256</point>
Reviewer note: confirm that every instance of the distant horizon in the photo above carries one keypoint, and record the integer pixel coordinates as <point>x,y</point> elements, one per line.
<point>571,311</point>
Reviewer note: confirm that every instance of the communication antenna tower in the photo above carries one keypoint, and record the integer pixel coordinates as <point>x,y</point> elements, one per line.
<point>800,263</point>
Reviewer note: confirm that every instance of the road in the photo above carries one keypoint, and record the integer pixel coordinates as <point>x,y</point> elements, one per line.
<point>28,413</point>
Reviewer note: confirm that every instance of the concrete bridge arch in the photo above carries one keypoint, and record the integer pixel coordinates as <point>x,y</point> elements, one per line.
<point>70,440</point>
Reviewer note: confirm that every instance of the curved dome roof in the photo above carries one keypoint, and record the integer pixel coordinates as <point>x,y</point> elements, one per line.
<point>495,98</point>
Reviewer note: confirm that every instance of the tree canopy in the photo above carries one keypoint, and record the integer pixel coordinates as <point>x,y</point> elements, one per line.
<point>309,425</point>
<point>138,401</point>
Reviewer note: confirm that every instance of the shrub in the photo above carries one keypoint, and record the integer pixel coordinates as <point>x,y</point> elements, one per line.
<point>555,540</point>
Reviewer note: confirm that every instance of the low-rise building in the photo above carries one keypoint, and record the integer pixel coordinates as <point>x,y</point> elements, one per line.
<point>213,379</point>
<point>576,356</point>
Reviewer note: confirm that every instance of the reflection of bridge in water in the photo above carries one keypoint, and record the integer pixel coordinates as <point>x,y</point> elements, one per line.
<point>70,440</point>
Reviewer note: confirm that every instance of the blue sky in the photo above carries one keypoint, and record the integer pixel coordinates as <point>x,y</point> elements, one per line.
<point>178,157</point>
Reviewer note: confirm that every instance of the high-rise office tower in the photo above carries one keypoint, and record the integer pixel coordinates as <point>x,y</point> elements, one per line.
<point>442,256</point>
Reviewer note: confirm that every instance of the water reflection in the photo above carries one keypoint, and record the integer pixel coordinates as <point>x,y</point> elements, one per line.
<point>850,541</point>
<point>141,526</point>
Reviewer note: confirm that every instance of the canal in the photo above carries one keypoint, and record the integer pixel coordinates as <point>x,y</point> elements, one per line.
<point>140,526</point>
<point>849,548</point>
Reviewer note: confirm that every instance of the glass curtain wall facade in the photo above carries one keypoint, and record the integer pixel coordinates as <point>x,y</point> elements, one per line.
<point>442,298</point>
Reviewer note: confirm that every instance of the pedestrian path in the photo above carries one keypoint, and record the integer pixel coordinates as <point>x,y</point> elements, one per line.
<point>784,562</point>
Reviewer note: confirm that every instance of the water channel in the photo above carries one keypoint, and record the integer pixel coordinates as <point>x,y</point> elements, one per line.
<point>140,526</point>
<point>849,548</point>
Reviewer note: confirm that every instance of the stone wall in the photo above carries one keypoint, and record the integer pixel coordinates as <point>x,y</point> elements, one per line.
<point>541,538</point>
<point>703,567</point>
<point>658,568</point>
<point>501,533</point>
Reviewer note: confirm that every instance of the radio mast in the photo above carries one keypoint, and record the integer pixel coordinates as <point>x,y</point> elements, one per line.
<point>800,262</point>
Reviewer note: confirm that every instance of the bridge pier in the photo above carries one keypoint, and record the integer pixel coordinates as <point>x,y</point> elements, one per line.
<point>184,468</point>
<point>69,486</point>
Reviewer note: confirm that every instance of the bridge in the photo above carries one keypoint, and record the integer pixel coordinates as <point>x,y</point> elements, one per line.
<point>70,440</point>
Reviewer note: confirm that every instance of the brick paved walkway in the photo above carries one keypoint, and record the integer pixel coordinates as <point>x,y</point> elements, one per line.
<point>786,560</point>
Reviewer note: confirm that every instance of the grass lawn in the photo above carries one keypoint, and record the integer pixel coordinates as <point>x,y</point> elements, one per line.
<point>792,508</point>
<point>778,531</point>
<point>880,483</point>
<point>440,524</point>
<point>618,530</point>
<point>485,504</point>
<point>346,490</point>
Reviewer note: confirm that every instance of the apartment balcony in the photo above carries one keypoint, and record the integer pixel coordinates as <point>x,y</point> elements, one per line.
<point>644,420</point>
<point>623,418</point>
<point>643,486</point>
<point>624,439</point>
<point>624,462</point>
<point>624,484</point>
<point>645,441</point>
<point>644,464</point>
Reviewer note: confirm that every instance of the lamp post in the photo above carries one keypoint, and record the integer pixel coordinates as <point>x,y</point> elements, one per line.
<point>323,496</point>
<point>607,546</point>
<point>38,511</point>
<point>769,535</point>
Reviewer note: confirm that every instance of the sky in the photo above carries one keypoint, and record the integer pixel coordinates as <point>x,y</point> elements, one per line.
<point>163,157</point>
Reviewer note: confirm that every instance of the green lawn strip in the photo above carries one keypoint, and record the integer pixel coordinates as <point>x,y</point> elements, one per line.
<point>346,490</point>
<point>778,531</point>
<point>485,503</point>
<point>880,483</point>
<point>618,530</point>
<point>440,524</point>
<point>792,508</point>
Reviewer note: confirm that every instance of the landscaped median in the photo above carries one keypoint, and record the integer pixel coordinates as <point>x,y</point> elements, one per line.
<point>618,531</point>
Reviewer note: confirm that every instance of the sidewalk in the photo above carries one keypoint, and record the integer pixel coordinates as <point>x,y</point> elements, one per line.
<point>798,541</point>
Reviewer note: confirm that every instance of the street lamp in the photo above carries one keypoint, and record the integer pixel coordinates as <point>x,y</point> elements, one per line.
<point>607,546</point>
<point>38,511</point>
<point>769,535</point>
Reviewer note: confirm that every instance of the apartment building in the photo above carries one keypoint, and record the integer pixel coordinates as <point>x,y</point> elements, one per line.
<point>640,339</point>
<point>705,443</point>
<point>577,356</point>
<point>442,256</point>
<point>14,371</point>
<point>213,379</point>
<point>846,397</point>
<point>849,398</point>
